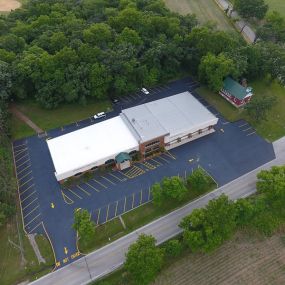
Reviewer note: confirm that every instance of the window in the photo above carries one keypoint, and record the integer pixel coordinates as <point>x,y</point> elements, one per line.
<point>152,143</point>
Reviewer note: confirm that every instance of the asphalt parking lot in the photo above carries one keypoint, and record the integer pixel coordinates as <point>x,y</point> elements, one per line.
<point>47,207</point>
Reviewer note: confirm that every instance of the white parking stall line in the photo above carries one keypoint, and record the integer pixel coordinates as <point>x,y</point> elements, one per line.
<point>247,129</point>
<point>250,134</point>
<point>240,126</point>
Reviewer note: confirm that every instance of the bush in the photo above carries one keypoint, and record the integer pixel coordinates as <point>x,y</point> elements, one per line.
<point>173,248</point>
<point>170,188</point>
<point>198,180</point>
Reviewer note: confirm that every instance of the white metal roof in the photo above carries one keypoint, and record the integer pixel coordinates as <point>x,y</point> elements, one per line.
<point>172,116</point>
<point>91,146</point>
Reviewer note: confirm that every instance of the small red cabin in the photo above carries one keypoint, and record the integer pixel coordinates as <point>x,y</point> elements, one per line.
<point>235,93</point>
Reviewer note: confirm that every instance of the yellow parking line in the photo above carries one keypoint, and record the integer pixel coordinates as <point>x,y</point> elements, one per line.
<point>86,192</point>
<point>33,219</point>
<point>164,159</point>
<point>170,155</point>
<point>28,196</point>
<point>21,157</point>
<point>30,204</point>
<point>159,163</point>
<point>92,187</point>
<point>26,182</point>
<point>74,193</point>
<point>116,208</point>
<point>23,170</point>
<point>108,180</point>
<point>121,180</point>
<point>149,165</point>
<point>98,216</point>
<point>107,215</point>
<point>31,211</point>
<point>17,166</point>
<point>25,175</point>
<point>21,193</point>
<point>124,174</point>
<point>35,227</point>
<point>100,183</point>
<point>65,200</point>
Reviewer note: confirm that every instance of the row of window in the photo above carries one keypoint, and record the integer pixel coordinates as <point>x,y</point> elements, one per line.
<point>189,136</point>
<point>152,143</point>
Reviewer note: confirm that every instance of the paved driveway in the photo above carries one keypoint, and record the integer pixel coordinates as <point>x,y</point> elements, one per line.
<point>233,150</point>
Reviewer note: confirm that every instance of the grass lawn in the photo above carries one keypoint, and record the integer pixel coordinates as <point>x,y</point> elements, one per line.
<point>136,218</point>
<point>205,10</point>
<point>271,129</point>
<point>19,129</point>
<point>277,5</point>
<point>49,119</point>
<point>11,269</point>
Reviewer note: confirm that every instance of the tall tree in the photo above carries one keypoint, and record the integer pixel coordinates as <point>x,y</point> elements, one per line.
<point>273,29</point>
<point>205,229</point>
<point>144,260</point>
<point>213,69</point>
<point>251,8</point>
<point>259,107</point>
<point>83,224</point>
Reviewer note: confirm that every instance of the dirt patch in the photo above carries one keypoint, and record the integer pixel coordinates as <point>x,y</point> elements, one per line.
<point>9,5</point>
<point>242,261</point>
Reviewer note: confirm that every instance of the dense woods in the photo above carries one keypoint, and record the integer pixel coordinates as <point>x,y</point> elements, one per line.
<point>64,51</point>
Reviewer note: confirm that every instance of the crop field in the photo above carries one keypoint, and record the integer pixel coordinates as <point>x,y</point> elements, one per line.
<point>243,260</point>
<point>277,5</point>
<point>205,10</point>
<point>8,5</point>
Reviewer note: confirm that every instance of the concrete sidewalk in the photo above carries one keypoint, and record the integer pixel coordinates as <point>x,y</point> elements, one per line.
<point>25,119</point>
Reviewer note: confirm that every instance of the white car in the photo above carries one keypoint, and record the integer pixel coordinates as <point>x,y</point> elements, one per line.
<point>100,115</point>
<point>145,91</point>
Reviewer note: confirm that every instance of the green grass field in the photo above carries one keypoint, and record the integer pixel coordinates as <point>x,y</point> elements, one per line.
<point>277,5</point>
<point>11,269</point>
<point>205,10</point>
<point>49,119</point>
<point>271,129</point>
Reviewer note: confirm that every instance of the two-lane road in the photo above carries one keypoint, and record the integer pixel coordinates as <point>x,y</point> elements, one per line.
<point>110,257</point>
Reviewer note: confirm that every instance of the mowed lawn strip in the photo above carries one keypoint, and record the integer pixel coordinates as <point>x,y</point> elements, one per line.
<point>205,10</point>
<point>277,5</point>
<point>271,129</point>
<point>63,115</point>
<point>19,129</point>
<point>136,218</point>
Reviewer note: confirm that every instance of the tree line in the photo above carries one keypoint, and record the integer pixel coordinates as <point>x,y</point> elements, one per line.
<point>205,229</point>
<point>61,51</point>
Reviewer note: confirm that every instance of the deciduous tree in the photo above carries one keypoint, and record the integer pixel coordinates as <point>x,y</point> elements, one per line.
<point>83,224</point>
<point>144,260</point>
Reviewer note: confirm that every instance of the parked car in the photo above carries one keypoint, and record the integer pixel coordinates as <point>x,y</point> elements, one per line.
<point>100,115</point>
<point>115,101</point>
<point>145,91</point>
